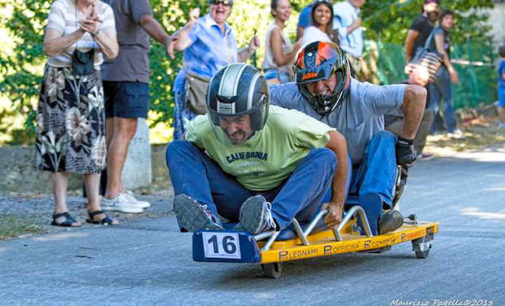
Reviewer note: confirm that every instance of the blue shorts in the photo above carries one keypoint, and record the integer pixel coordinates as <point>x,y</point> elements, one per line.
<point>126,99</point>
<point>501,96</point>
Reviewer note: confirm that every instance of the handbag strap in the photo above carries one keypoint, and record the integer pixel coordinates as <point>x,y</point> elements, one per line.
<point>428,41</point>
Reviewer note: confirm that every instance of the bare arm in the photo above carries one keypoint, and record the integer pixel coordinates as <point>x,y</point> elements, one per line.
<point>409,44</point>
<point>108,43</point>
<point>246,53</point>
<point>439,43</point>
<point>280,58</point>
<point>183,40</point>
<point>414,103</point>
<point>55,44</point>
<point>335,207</point>
<point>154,29</point>
<point>299,32</point>
<point>355,25</point>
<point>105,39</point>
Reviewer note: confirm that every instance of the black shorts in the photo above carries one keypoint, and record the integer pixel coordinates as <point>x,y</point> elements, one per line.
<point>126,99</point>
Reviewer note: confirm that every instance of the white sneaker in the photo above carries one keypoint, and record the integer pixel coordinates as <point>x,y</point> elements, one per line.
<point>120,203</point>
<point>457,134</point>
<point>135,202</point>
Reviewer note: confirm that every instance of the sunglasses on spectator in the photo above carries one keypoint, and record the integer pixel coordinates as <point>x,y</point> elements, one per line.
<point>223,2</point>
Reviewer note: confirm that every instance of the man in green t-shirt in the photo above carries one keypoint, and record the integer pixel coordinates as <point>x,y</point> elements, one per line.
<point>257,164</point>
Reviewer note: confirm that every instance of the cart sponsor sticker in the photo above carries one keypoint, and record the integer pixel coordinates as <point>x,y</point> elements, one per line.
<point>221,245</point>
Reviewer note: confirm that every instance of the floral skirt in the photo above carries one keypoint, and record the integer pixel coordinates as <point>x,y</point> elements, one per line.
<point>71,122</point>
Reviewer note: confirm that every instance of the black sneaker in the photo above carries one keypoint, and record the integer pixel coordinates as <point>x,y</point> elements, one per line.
<point>256,216</point>
<point>390,221</point>
<point>194,216</point>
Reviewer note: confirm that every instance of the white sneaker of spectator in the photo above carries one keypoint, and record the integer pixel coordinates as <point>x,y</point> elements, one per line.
<point>134,201</point>
<point>457,134</point>
<point>121,203</point>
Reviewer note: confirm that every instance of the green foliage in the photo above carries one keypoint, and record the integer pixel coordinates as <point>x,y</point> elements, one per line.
<point>22,60</point>
<point>389,20</point>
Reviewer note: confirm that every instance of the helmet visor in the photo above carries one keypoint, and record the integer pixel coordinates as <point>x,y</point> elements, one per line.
<point>315,63</point>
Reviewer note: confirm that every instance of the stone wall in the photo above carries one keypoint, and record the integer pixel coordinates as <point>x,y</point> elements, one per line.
<point>19,174</point>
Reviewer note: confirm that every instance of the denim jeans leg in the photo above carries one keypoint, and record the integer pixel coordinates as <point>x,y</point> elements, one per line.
<point>193,173</point>
<point>375,177</point>
<point>446,91</point>
<point>302,194</point>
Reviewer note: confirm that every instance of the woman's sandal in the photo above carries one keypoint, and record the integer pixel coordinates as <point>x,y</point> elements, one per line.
<point>105,221</point>
<point>69,221</point>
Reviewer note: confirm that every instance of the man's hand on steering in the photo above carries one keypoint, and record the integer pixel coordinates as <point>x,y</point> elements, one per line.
<point>405,152</point>
<point>334,216</point>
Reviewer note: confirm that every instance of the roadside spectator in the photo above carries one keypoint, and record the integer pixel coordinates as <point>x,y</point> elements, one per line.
<point>70,121</point>
<point>418,76</point>
<point>126,89</point>
<point>279,51</point>
<point>421,28</point>
<point>209,44</point>
<point>350,33</point>
<point>441,88</point>
<point>501,88</point>
<point>322,23</point>
<point>304,21</point>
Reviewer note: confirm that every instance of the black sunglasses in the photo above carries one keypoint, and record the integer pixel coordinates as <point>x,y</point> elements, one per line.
<point>223,2</point>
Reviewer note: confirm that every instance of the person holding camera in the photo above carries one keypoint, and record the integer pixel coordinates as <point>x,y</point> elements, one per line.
<point>71,121</point>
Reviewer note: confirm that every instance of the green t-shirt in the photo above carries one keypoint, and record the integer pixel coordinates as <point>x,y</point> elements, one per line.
<point>266,159</point>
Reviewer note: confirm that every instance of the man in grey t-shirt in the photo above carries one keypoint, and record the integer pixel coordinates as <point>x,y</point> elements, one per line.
<point>326,91</point>
<point>126,90</point>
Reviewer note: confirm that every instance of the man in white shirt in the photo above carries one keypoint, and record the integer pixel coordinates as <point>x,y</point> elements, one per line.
<point>348,24</point>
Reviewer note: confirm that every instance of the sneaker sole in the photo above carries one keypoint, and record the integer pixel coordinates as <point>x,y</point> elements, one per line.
<point>251,214</point>
<point>143,206</point>
<point>190,215</point>
<point>129,210</point>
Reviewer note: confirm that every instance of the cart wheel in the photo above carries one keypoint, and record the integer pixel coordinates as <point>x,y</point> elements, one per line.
<point>422,246</point>
<point>272,270</point>
<point>421,254</point>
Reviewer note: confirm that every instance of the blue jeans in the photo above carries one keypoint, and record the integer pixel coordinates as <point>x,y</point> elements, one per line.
<point>373,180</point>
<point>195,174</point>
<point>180,111</point>
<point>439,90</point>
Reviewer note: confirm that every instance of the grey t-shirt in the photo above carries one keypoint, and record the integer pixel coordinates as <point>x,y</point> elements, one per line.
<point>357,118</point>
<point>132,63</point>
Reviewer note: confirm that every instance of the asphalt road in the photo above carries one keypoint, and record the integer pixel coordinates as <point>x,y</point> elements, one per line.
<point>149,262</point>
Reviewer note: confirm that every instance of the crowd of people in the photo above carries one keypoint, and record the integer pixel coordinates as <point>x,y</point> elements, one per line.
<point>306,119</point>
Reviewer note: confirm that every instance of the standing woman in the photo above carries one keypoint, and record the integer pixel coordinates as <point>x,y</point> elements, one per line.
<point>441,89</point>
<point>322,24</point>
<point>70,121</point>
<point>279,49</point>
<point>209,45</point>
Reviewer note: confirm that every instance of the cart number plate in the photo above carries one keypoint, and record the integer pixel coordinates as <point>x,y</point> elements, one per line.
<point>221,245</point>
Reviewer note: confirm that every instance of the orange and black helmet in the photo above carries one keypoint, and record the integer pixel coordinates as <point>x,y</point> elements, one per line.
<point>318,61</point>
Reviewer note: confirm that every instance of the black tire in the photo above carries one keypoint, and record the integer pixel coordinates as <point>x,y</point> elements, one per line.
<point>272,270</point>
<point>420,254</point>
<point>424,240</point>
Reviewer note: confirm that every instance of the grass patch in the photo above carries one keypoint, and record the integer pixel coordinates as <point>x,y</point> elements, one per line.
<point>14,226</point>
